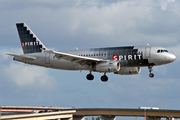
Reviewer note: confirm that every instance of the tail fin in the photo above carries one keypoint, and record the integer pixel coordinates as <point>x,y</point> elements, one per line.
<point>29,41</point>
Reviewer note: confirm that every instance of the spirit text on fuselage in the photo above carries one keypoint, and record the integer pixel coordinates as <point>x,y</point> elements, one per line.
<point>127,57</point>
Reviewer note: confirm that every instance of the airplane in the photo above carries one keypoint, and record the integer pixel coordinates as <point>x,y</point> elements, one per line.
<point>126,60</point>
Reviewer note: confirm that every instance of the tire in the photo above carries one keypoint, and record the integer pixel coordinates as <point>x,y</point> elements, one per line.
<point>151,75</point>
<point>90,77</point>
<point>104,78</point>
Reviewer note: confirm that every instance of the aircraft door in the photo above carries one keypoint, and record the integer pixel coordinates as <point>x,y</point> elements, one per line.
<point>47,58</point>
<point>105,55</point>
<point>147,52</point>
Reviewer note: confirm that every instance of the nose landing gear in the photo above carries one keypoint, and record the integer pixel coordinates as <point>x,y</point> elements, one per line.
<point>151,75</point>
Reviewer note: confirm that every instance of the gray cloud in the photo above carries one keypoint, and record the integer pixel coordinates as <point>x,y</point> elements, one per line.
<point>122,22</point>
<point>25,76</point>
<point>142,92</point>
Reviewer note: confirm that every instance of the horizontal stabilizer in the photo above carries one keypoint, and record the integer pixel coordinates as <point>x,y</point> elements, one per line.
<point>24,57</point>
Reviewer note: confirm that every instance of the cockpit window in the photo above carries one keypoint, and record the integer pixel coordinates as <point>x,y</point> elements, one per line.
<point>161,51</point>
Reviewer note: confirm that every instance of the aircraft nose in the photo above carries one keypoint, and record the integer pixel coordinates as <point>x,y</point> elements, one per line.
<point>172,57</point>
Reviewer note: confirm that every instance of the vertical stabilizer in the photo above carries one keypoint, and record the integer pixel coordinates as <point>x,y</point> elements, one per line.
<point>29,41</point>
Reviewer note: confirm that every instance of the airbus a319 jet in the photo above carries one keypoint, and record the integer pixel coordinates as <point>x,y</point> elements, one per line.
<point>126,60</point>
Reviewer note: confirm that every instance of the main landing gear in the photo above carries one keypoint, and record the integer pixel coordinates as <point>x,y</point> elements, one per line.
<point>151,75</point>
<point>90,76</point>
<point>104,78</point>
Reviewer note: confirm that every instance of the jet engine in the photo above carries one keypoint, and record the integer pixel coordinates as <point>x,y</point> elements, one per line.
<point>129,71</point>
<point>112,66</point>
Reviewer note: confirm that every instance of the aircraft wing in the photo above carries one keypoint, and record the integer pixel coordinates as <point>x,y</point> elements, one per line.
<point>24,57</point>
<point>75,58</point>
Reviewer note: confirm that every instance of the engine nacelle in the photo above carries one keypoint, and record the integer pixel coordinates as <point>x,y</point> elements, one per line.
<point>129,71</point>
<point>112,66</point>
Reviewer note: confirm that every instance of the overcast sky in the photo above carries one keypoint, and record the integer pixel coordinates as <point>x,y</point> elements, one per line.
<point>67,24</point>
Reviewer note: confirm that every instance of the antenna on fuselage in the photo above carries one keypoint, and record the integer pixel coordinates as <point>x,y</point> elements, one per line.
<point>147,44</point>
<point>76,48</point>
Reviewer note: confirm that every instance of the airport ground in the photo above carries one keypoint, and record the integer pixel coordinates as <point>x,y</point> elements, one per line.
<point>45,113</point>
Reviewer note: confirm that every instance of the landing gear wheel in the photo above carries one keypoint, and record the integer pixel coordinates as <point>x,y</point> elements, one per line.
<point>90,77</point>
<point>151,75</point>
<point>104,78</point>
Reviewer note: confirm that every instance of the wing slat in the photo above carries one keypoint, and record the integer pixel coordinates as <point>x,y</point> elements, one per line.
<point>75,58</point>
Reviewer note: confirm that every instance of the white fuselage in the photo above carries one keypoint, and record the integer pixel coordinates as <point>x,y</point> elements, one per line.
<point>143,56</point>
